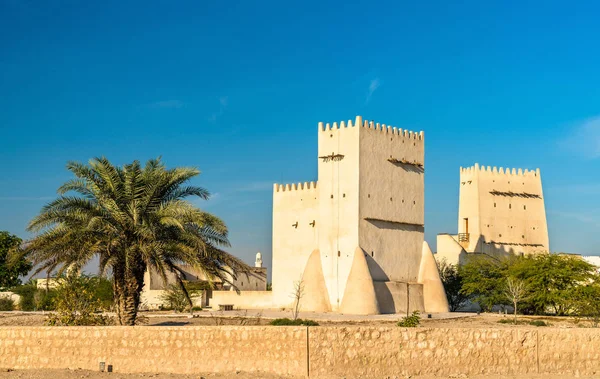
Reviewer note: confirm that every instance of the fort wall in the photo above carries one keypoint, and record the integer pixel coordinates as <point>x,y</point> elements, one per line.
<point>392,202</point>
<point>338,167</point>
<point>305,351</point>
<point>295,235</point>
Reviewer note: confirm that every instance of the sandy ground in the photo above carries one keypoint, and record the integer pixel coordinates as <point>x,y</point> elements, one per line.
<point>80,374</point>
<point>205,318</point>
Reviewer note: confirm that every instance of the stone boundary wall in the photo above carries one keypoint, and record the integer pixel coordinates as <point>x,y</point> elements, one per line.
<point>300,351</point>
<point>177,349</point>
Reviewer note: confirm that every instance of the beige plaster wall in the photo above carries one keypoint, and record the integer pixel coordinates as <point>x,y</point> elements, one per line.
<point>450,250</point>
<point>338,213</point>
<point>399,297</point>
<point>392,201</point>
<point>293,243</point>
<point>243,299</point>
<point>153,299</point>
<point>506,224</point>
<point>297,351</point>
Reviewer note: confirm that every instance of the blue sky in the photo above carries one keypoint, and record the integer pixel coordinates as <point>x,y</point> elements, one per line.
<point>237,89</point>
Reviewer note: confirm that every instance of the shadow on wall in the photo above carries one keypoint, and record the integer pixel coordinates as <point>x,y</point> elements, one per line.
<point>408,167</point>
<point>382,224</point>
<point>375,269</point>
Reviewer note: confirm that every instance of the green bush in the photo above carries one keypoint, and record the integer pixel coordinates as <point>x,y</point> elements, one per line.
<point>290,322</point>
<point>102,289</point>
<point>506,321</point>
<point>77,304</point>
<point>538,323</point>
<point>532,322</point>
<point>6,304</point>
<point>44,299</point>
<point>411,321</point>
<point>27,294</point>
<point>174,298</point>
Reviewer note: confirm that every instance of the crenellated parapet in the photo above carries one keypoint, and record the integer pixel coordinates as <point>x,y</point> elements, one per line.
<point>499,171</point>
<point>305,186</point>
<point>373,126</point>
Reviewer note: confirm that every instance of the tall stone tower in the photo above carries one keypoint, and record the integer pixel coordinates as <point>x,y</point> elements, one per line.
<point>357,234</point>
<point>500,212</point>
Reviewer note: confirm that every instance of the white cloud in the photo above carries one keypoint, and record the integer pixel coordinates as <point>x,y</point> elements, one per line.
<point>585,140</point>
<point>223,102</point>
<point>373,85</point>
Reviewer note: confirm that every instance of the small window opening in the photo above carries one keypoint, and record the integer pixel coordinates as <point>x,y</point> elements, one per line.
<point>494,205</point>
<point>525,207</point>
<point>509,206</point>
<point>390,199</point>
<point>372,253</point>
<point>332,196</point>
<point>344,195</point>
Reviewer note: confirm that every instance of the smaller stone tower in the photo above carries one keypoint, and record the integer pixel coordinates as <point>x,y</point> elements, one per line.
<point>258,262</point>
<point>501,211</point>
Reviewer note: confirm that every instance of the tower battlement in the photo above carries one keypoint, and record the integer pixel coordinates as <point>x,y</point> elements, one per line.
<point>371,125</point>
<point>500,171</point>
<point>294,187</point>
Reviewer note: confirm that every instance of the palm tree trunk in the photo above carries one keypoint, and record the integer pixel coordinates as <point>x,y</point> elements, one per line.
<point>130,307</point>
<point>127,287</point>
<point>130,301</point>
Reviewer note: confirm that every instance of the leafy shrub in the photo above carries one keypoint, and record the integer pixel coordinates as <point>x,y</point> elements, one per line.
<point>538,323</point>
<point>103,291</point>
<point>506,321</point>
<point>532,322</point>
<point>76,303</point>
<point>411,321</point>
<point>44,299</point>
<point>196,308</point>
<point>174,298</point>
<point>6,304</point>
<point>27,293</point>
<point>290,322</point>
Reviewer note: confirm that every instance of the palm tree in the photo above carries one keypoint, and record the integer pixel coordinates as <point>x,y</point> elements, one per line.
<point>132,218</point>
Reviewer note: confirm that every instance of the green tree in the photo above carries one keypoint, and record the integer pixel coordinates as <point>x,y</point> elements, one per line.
<point>551,280</point>
<point>484,280</point>
<point>132,218</point>
<point>453,282</point>
<point>11,269</point>
<point>587,302</point>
